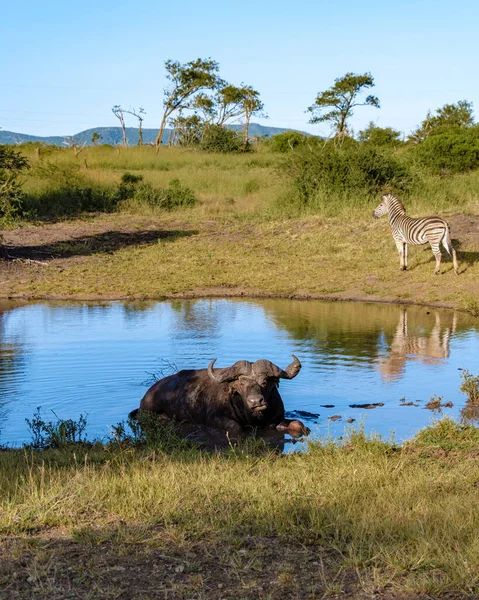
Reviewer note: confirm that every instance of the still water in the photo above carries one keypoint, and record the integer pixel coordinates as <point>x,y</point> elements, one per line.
<point>99,359</point>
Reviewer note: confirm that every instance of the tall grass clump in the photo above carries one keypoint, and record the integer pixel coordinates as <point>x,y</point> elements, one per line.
<point>65,192</point>
<point>325,177</point>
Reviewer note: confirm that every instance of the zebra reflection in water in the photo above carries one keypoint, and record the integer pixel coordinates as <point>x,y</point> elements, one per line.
<point>407,230</point>
<point>408,344</point>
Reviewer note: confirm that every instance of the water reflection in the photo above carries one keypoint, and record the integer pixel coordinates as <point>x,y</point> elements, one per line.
<point>10,359</point>
<point>96,358</point>
<point>418,339</point>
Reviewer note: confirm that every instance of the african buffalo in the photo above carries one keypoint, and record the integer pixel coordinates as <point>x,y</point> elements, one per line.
<point>232,399</point>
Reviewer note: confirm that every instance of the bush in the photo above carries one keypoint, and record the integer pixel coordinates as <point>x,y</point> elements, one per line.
<point>49,434</point>
<point>174,196</point>
<point>286,141</point>
<point>326,171</point>
<point>217,138</point>
<point>451,152</point>
<point>470,387</point>
<point>12,163</point>
<point>380,136</point>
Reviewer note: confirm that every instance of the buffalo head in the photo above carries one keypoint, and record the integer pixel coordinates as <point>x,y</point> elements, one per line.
<point>254,382</point>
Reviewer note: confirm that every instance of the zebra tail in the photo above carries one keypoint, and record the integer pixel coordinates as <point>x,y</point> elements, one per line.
<point>446,239</point>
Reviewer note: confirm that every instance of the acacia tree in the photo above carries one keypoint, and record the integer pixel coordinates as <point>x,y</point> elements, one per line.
<point>458,116</point>
<point>230,101</point>
<point>186,81</point>
<point>118,111</point>
<point>336,104</point>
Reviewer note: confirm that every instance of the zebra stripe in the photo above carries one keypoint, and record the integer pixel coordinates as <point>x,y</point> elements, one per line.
<point>407,230</point>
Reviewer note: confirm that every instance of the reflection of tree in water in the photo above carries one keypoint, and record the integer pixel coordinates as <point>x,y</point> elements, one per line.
<point>470,414</point>
<point>132,311</point>
<point>365,332</point>
<point>11,359</point>
<point>202,318</point>
<point>418,339</point>
<point>335,329</point>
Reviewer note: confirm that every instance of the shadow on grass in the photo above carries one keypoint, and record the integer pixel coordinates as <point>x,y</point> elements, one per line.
<point>106,242</point>
<point>470,258</point>
<point>137,562</point>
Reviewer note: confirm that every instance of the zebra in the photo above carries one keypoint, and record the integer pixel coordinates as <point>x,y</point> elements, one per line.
<point>407,230</point>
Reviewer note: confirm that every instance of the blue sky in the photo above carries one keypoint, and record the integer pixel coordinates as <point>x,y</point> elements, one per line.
<point>64,65</point>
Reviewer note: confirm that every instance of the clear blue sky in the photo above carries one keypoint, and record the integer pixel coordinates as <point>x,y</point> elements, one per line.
<point>64,64</point>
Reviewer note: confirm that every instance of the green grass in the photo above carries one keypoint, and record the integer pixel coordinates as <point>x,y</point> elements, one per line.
<point>394,518</point>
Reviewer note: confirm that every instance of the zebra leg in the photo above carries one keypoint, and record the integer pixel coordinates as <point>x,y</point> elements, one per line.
<point>400,246</point>
<point>446,242</point>
<point>437,254</point>
<point>405,255</point>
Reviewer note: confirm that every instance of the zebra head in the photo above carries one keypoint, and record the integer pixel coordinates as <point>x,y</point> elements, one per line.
<point>386,202</point>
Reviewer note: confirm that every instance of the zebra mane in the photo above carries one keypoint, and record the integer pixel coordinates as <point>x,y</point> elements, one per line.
<point>391,199</point>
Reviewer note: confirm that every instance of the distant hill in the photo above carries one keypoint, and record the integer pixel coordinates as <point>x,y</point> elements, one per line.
<point>113,135</point>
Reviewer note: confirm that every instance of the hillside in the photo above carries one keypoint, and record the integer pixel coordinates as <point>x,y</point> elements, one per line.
<point>113,135</point>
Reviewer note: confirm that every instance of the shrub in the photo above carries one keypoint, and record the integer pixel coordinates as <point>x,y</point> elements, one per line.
<point>286,141</point>
<point>380,136</point>
<point>217,138</point>
<point>174,196</point>
<point>470,387</point>
<point>451,152</point>
<point>327,171</point>
<point>128,185</point>
<point>49,434</point>
<point>12,163</point>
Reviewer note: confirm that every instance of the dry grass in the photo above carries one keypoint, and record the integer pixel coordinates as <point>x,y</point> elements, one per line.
<point>236,241</point>
<point>308,257</point>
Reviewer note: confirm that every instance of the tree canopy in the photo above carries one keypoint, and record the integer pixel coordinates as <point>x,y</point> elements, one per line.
<point>186,80</point>
<point>380,136</point>
<point>447,118</point>
<point>336,104</point>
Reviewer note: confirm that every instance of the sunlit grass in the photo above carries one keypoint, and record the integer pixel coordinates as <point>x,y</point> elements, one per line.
<point>388,512</point>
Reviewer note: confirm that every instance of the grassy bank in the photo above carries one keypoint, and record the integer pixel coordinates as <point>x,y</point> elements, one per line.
<point>366,517</point>
<point>244,236</point>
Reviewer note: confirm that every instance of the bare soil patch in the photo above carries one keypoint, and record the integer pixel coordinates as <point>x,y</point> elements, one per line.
<point>91,564</point>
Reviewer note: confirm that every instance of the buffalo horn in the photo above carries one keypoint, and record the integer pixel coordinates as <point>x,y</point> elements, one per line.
<point>242,367</point>
<point>291,370</point>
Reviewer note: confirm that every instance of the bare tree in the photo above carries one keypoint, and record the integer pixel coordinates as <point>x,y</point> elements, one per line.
<point>75,145</point>
<point>118,111</point>
<point>139,115</point>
